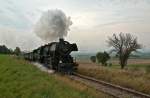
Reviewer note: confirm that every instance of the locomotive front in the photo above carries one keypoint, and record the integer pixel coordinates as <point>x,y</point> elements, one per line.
<point>66,63</point>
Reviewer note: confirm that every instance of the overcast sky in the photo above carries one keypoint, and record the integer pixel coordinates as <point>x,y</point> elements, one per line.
<point>93,21</point>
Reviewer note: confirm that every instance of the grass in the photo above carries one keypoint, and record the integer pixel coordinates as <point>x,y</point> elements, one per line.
<point>130,78</point>
<point>134,67</point>
<point>137,64</point>
<point>19,79</point>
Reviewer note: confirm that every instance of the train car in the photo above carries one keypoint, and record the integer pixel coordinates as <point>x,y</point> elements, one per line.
<point>56,56</point>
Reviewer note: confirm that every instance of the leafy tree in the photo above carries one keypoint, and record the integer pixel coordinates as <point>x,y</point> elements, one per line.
<point>11,51</point>
<point>93,59</point>
<point>4,50</point>
<point>124,45</point>
<point>17,51</point>
<point>99,57</point>
<point>102,57</point>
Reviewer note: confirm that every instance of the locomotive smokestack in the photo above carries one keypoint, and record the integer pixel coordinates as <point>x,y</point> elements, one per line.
<point>52,25</point>
<point>61,39</point>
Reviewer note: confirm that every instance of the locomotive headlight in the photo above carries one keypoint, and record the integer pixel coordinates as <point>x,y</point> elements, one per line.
<point>60,61</point>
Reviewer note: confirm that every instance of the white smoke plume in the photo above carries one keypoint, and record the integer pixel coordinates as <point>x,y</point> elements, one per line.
<point>52,25</point>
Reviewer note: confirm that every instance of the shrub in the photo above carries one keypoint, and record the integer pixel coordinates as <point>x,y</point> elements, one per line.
<point>102,57</point>
<point>93,59</point>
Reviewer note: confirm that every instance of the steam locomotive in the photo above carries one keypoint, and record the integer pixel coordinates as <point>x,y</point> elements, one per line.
<point>56,56</point>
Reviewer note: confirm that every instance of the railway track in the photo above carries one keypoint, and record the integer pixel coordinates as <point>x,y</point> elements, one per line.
<point>108,88</point>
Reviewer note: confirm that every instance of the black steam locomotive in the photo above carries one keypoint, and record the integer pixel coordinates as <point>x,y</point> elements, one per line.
<point>55,55</point>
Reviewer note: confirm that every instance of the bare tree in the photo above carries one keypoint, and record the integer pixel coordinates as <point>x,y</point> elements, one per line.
<point>124,45</point>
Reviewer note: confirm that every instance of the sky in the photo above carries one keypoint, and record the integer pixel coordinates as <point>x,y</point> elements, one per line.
<point>93,21</point>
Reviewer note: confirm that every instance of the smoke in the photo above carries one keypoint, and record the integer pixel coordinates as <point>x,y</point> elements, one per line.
<point>52,25</point>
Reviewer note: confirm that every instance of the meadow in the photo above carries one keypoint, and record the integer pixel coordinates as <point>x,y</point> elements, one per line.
<point>135,76</point>
<point>20,79</point>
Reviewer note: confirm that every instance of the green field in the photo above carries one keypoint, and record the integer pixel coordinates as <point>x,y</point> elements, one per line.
<point>19,79</point>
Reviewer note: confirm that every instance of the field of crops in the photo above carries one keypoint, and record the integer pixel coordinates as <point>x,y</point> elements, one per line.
<point>19,79</point>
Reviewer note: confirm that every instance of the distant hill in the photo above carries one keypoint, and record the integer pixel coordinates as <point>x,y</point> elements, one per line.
<point>83,56</point>
<point>86,56</point>
<point>144,55</point>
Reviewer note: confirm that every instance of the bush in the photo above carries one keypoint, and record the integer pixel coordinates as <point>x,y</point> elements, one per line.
<point>93,59</point>
<point>102,57</point>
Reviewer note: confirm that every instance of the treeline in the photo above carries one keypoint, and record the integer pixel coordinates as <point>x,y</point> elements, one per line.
<point>5,50</point>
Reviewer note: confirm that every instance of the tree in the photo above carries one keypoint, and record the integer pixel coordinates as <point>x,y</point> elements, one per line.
<point>102,57</point>
<point>17,51</point>
<point>11,51</point>
<point>124,45</point>
<point>4,50</point>
<point>93,59</point>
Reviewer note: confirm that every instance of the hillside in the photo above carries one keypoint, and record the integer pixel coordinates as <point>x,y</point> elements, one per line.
<point>81,56</point>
